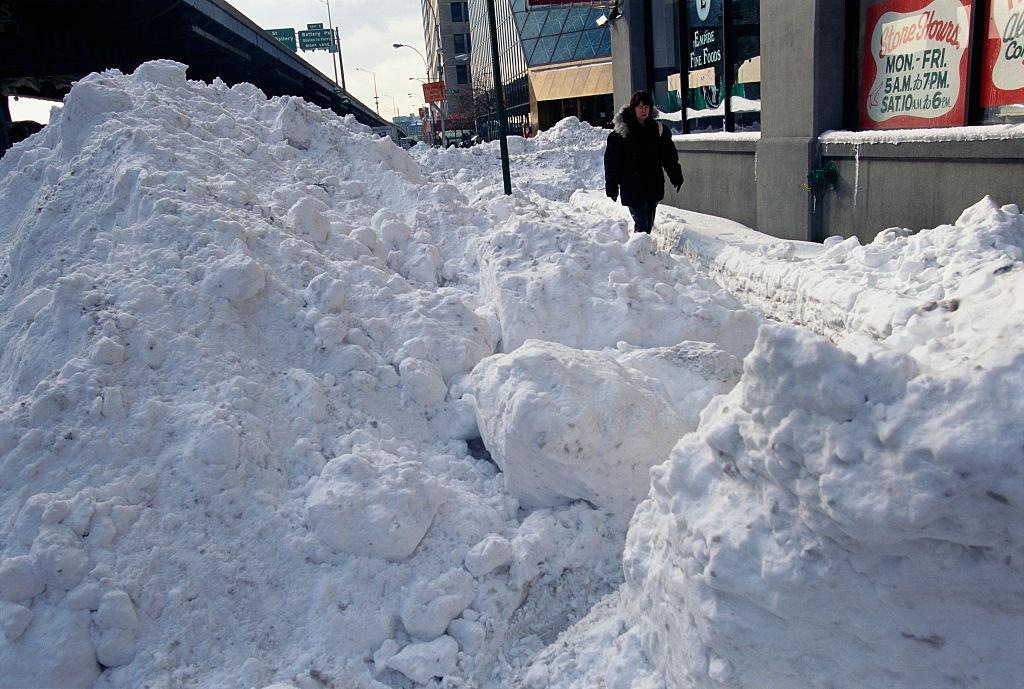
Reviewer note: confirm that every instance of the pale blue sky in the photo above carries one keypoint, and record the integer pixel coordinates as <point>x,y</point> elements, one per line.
<point>366,38</point>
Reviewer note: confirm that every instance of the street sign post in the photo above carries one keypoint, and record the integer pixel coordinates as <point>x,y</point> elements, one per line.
<point>433,92</point>
<point>285,36</point>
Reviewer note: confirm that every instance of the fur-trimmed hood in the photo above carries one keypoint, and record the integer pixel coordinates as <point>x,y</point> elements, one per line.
<point>624,119</point>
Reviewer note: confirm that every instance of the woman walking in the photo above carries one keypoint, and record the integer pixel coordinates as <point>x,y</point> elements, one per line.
<point>638,149</point>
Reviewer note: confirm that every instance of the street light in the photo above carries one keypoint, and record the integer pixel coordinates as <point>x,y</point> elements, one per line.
<point>426,71</point>
<point>336,53</point>
<point>376,100</point>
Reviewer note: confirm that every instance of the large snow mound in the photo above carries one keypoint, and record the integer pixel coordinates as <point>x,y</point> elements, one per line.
<point>234,332</point>
<point>848,516</point>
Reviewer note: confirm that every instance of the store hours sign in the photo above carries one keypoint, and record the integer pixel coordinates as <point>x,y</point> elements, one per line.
<point>915,64</point>
<point>1003,75</point>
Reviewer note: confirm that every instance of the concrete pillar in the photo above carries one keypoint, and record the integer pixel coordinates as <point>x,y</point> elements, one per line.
<point>629,62</point>
<point>801,97</point>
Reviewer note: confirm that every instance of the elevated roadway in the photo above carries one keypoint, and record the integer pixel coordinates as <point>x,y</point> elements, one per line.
<point>46,45</point>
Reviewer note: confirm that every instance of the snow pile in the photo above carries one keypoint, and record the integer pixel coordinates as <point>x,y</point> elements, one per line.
<point>247,351</point>
<point>846,516</point>
<point>235,335</point>
<point>553,164</point>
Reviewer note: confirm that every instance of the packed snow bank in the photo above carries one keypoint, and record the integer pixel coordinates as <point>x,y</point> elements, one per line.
<point>234,332</point>
<point>553,164</point>
<point>591,292</point>
<point>847,516</point>
<point>566,424</point>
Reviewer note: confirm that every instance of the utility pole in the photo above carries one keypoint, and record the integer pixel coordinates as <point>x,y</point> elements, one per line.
<point>341,60</point>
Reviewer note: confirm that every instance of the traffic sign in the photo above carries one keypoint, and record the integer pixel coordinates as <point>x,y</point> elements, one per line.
<point>317,39</point>
<point>433,92</point>
<point>314,26</point>
<point>286,36</point>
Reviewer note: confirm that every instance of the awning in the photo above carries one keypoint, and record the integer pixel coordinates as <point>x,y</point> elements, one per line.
<point>573,81</point>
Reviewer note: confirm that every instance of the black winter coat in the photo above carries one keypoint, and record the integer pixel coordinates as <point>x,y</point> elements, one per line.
<point>634,159</point>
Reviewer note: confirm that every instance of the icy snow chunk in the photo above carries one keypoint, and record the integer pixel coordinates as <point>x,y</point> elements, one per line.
<point>386,652</point>
<point>215,449</point>
<point>117,625</point>
<point>422,381</point>
<point>114,647</point>
<point>307,395</point>
<point>488,555</point>
<point>108,351</point>
<point>116,611</point>
<point>14,619</point>
<point>59,557</point>
<point>325,293</point>
<point>91,102</point>
<point>18,579</point>
<point>236,277</point>
<point>27,308</point>
<point>432,604</point>
<point>373,503</point>
<point>566,424</point>
<point>306,216</point>
<point>162,72</point>
<point>294,122</point>
<point>59,636</point>
<point>423,662</point>
<point>470,635</point>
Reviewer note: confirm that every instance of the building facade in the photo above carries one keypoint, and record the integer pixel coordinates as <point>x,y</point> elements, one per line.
<point>449,58</point>
<point>786,108</point>
<point>555,62</point>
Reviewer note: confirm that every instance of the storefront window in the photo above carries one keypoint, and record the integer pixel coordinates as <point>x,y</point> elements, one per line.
<point>705,106</point>
<point>667,92</point>
<point>744,38</point>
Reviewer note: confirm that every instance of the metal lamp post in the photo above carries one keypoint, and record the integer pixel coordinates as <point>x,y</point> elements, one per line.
<point>426,71</point>
<point>336,53</point>
<point>376,99</point>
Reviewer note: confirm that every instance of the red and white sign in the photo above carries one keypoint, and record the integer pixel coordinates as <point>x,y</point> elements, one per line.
<point>433,92</point>
<point>915,64</point>
<point>1003,73</point>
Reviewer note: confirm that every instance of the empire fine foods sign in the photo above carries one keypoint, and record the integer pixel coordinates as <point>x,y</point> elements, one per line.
<point>1003,73</point>
<point>915,64</point>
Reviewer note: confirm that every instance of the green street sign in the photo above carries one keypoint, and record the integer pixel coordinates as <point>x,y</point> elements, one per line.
<point>314,26</point>
<point>285,36</point>
<point>317,39</point>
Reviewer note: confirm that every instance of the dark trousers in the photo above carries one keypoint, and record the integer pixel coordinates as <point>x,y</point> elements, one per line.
<point>643,216</point>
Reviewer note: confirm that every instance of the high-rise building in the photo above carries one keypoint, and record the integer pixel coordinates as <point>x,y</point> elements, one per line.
<point>449,49</point>
<point>555,62</point>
